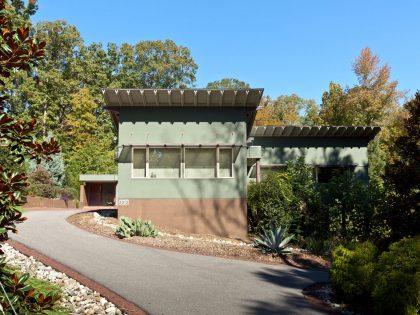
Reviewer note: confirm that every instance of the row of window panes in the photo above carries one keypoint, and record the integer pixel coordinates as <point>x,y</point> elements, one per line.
<point>173,163</point>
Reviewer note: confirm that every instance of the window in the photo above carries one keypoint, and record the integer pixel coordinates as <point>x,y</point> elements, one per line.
<point>139,163</point>
<point>159,162</point>
<point>225,162</point>
<point>200,163</point>
<point>164,162</point>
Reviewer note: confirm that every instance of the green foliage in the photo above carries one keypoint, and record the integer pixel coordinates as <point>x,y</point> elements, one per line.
<point>128,228</point>
<point>402,178</point>
<point>228,83</point>
<point>154,64</point>
<point>21,297</point>
<point>397,282</point>
<point>274,240</point>
<point>271,202</point>
<point>352,271</point>
<point>389,281</point>
<point>68,99</point>
<point>347,200</point>
<point>19,51</point>
<point>307,217</point>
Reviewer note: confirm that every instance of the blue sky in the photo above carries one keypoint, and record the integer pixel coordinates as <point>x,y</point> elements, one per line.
<point>283,46</point>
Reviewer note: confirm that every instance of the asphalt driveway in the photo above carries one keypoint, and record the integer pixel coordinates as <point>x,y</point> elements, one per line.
<point>166,282</point>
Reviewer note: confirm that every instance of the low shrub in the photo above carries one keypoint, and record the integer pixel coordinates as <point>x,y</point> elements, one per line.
<point>397,282</point>
<point>68,192</point>
<point>44,190</point>
<point>129,228</point>
<point>352,271</point>
<point>270,202</point>
<point>275,240</point>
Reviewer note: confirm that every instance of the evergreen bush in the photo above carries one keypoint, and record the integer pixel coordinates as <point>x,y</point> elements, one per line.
<point>352,271</point>
<point>397,282</point>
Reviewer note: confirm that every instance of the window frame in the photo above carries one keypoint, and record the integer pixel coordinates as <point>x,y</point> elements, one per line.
<point>182,166</point>
<point>132,162</point>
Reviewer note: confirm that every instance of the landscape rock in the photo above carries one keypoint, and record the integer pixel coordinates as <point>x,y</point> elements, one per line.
<point>78,298</point>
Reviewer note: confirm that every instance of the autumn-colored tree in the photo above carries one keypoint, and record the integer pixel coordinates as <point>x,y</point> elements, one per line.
<point>228,83</point>
<point>266,114</point>
<point>374,101</point>
<point>367,103</point>
<point>288,110</point>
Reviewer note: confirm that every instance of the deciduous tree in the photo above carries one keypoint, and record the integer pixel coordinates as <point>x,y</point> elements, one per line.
<point>228,83</point>
<point>288,110</point>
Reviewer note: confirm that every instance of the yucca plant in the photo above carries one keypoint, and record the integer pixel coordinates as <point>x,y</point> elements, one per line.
<point>274,240</point>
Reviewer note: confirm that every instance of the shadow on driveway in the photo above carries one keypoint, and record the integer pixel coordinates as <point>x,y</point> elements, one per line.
<point>287,282</point>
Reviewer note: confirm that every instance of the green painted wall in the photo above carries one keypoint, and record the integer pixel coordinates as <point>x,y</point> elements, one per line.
<point>177,126</point>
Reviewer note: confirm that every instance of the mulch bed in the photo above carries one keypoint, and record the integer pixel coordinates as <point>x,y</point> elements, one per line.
<point>208,245</point>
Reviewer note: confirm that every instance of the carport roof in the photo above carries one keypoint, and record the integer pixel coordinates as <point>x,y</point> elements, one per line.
<point>315,131</point>
<point>98,178</point>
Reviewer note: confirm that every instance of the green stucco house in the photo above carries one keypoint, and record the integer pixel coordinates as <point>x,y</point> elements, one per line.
<point>185,156</point>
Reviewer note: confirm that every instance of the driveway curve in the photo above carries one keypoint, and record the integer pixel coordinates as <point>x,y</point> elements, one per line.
<point>166,282</point>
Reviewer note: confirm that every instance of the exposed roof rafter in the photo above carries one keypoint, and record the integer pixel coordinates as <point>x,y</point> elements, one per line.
<point>315,131</point>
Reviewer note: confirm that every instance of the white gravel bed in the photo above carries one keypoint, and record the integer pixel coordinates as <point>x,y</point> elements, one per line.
<point>76,297</point>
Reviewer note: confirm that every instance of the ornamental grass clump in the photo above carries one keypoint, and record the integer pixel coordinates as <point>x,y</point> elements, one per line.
<point>274,241</point>
<point>129,228</point>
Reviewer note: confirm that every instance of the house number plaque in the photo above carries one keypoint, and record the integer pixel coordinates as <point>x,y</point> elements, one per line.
<point>123,202</point>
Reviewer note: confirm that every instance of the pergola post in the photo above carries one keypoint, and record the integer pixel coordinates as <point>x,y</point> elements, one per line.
<point>258,171</point>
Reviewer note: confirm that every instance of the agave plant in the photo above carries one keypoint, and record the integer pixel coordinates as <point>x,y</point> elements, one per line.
<point>274,240</point>
<point>125,228</point>
<point>128,228</point>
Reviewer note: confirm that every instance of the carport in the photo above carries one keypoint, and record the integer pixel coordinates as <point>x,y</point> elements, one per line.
<point>98,189</point>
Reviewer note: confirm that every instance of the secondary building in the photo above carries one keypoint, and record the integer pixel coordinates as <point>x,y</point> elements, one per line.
<point>185,156</point>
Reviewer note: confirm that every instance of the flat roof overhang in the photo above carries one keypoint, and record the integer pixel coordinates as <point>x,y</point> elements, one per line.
<point>116,99</point>
<point>98,178</point>
<point>367,132</point>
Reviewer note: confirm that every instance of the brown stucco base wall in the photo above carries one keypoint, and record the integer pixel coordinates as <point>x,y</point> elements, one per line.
<point>222,217</point>
<point>40,202</point>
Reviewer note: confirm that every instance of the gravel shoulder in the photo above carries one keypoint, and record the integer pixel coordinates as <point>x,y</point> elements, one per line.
<point>76,297</point>
<point>103,223</point>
